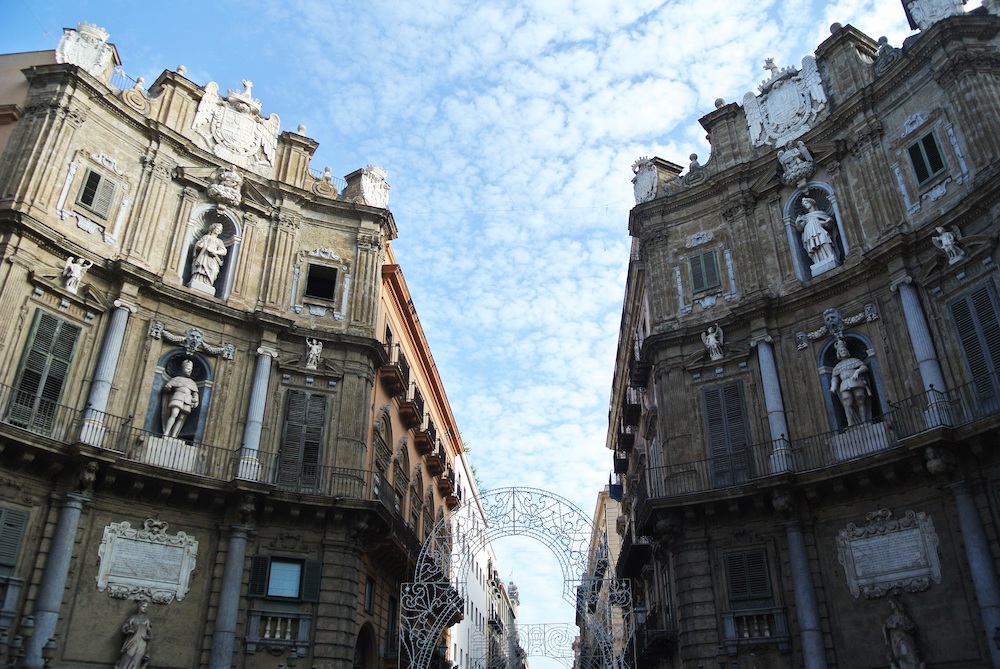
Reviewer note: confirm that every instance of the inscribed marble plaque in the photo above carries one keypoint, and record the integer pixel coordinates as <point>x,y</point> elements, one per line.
<point>146,563</point>
<point>889,553</point>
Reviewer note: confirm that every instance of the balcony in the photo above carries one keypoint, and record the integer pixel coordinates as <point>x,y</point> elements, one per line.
<point>638,369</point>
<point>632,407</point>
<point>757,628</point>
<point>395,374</point>
<point>425,436</point>
<point>411,408</point>
<point>655,634</point>
<point>633,556</point>
<point>453,499</point>
<point>277,631</point>
<point>621,462</point>
<point>626,438</point>
<point>436,461</point>
<point>914,422</point>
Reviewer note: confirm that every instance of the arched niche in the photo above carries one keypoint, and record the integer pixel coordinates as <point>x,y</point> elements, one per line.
<point>169,366</point>
<point>859,347</point>
<point>365,649</point>
<point>826,201</point>
<point>201,222</point>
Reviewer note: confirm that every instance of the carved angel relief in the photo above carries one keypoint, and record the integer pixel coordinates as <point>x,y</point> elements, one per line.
<point>235,128</point>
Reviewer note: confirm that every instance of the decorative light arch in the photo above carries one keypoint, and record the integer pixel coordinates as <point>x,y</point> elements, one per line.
<point>436,597</point>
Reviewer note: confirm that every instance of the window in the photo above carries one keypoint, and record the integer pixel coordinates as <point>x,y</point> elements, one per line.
<point>727,434</point>
<point>11,529</point>
<point>43,373</point>
<point>704,271</point>
<point>925,156</point>
<point>390,624</point>
<point>285,578</point>
<point>305,416</point>
<point>321,282</point>
<point>370,595</point>
<point>97,193</point>
<point>747,578</point>
<point>976,319</point>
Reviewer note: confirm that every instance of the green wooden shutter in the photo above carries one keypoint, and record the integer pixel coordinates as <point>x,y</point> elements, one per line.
<point>727,437</point>
<point>975,317</point>
<point>711,269</point>
<point>312,577</point>
<point>260,570</point>
<point>43,373</point>
<point>12,525</point>
<point>748,579</point>
<point>305,415</point>
<point>698,282</point>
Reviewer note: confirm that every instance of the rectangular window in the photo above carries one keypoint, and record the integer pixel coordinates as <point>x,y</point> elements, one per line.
<point>43,373</point>
<point>285,578</point>
<point>747,578</point>
<point>976,319</point>
<point>704,271</point>
<point>321,282</point>
<point>97,193</point>
<point>370,595</point>
<point>390,625</point>
<point>727,434</point>
<point>925,156</point>
<point>11,530</point>
<point>305,416</point>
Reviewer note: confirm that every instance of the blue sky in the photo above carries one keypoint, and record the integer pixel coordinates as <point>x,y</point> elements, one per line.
<point>508,130</point>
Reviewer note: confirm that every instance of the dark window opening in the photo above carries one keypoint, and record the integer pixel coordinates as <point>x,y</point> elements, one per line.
<point>925,156</point>
<point>748,579</point>
<point>97,193</point>
<point>321,282</point>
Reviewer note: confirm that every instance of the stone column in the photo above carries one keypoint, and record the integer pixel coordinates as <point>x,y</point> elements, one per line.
<point>781,454</point>
<point>367,280</point>
<point>806,609</point>
<point>249,465</point>
<point>984,576</point>
<point>92,431</point>
<point>336,624</point>
<point>229,598</point>
<point>923,349</point>
<point>53,585</point>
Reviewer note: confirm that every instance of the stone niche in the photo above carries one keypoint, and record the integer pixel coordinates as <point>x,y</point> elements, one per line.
<point>889,554</point>
<point>146,563</point>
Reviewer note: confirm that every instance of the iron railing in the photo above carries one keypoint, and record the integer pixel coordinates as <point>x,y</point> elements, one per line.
<point>905,419</point>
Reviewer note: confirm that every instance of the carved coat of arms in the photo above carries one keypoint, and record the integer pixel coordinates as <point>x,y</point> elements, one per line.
<point>235,128</point>
<point>86,47</point>
<point>789,103</point>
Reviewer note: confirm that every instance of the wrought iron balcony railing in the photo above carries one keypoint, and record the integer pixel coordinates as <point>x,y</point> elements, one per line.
<point>906,419</point>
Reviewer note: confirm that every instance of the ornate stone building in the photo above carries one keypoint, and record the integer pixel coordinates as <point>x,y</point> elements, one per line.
<point>202,462</point>
<point>805,400</point>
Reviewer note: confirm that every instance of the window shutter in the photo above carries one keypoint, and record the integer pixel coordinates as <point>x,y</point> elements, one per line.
<point>43,373</point>
<point>12,525</point>
<point>975,317</point>
<point>102,199</point>
<point>727,435</point>
<point>711,269</point>
<point>697,274</point>
<point>312,576</point>
<point>312,438</point>
<point>260,570</point>
<point>747,577</point>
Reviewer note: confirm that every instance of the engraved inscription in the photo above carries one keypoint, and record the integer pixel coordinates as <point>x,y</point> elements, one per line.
<point>150,562</point>
<point>146,563</point>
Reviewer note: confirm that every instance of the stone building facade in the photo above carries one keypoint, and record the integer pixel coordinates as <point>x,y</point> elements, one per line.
<point>193,382</point>
<point>806,389</point>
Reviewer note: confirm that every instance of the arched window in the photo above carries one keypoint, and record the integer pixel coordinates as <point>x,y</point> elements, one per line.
<point>400,479</point>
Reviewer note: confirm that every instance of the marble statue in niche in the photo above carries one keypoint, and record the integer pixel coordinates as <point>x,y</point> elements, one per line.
<point>817,228</point>
<point>713,339</point>
<point>209,254</point>
<point>73,273</point>
<point>850,383</point>
<point>138,632</point>
<point>899,633</point>
<point>183,398</point>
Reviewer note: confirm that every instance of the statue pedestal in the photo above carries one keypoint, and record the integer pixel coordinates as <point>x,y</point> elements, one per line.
<point>202,287</point>
<point>859,440</point>
<point>825,266</point>
<point>248,468</point>
<point>171,453</point>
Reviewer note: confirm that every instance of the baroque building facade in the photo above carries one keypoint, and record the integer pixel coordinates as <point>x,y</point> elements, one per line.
<point>204,460</point>
<point>805,398</point>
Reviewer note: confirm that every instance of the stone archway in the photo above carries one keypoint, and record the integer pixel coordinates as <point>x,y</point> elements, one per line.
<point>436,597</point>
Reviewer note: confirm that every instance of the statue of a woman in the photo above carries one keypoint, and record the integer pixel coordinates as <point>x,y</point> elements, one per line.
<point>138,631</point>
<point>208,257</point>
<point>815,226</point>
<point>899,633</point>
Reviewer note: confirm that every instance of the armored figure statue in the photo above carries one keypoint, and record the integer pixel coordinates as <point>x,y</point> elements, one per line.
<point>850,383</point>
